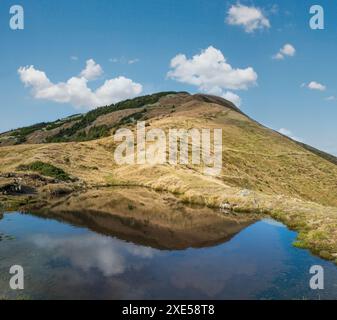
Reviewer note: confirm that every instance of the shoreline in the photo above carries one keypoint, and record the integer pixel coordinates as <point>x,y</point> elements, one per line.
<point>297,215</point>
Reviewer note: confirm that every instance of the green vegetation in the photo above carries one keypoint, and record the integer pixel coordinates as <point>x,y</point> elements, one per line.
<point>28,130</point>
<point>141,101</point>
<point>73,133</point>
<point>94,133</point>
<point>132,118</point>
<point>76,132</point>
<point>82,135</point>
<point>46,169</point>
<point>20,140</point>
<point>22,133</point>
<point>60,122</point>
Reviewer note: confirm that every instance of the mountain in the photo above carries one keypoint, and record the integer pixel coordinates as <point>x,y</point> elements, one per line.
<point>263,171</point>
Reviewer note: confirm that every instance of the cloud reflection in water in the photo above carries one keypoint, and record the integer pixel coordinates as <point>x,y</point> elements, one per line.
<point>108,255</point>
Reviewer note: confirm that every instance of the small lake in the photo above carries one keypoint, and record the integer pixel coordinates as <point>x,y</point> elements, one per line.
<point>63,261</point>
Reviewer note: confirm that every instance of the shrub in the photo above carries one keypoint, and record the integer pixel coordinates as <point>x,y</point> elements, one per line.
<point>46,169</point>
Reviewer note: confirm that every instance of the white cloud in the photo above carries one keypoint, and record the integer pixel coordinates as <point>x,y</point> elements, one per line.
<point>92,70</point>
<point>289,133</point>
<point>132,61</point>
<point>313,85</point>
<point>74,58</point>
<point>250,18</point>
<point>76,91</point>
<point>285,131</point>
<point>278,56</point>
<point>119,88</point>
<point>231,96</point>
<point>210,72</point>
<point>124,60</point>
<point>288,50</point>
<point>331,98</point>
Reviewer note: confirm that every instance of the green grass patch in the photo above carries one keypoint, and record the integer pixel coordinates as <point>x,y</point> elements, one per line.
<point>46,169</point>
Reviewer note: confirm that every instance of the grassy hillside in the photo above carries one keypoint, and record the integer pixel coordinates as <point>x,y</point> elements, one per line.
<point>263,171</point>
<point>78,127</point>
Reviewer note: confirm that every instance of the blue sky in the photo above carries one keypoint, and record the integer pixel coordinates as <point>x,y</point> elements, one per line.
<point>137,40</point>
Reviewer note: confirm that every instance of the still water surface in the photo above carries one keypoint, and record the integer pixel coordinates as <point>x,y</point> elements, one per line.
<point>62,261</point>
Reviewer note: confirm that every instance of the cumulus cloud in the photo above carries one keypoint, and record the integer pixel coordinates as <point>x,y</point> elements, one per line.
<point>76,91</point>
<point>211,73</point>
<point>288,50</point>
<point>289,133</point>
<point>92,70</point>
<point>313,85</point>
<point>231,96</point>
<point>250,18</point>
